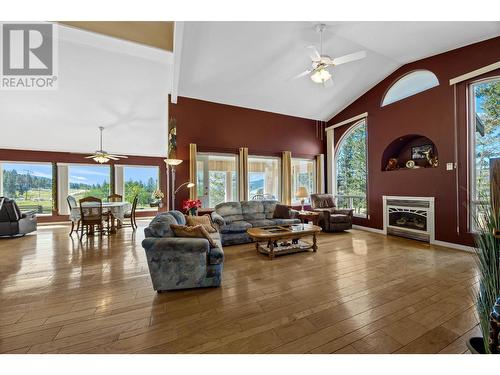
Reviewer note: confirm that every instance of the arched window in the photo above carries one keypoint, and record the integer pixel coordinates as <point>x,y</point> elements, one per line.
<point>351,169</point>
<point>410,84</point>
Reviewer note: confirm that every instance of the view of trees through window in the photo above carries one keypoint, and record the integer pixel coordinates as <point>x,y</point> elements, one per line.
<point>303,174</point>
<point>29,184</point>
<point>217,179</point>
<point>263,177</point>
<point>140,181</point>
<point>89,181</point>
<point>486,139</point>
<point>351,164</point>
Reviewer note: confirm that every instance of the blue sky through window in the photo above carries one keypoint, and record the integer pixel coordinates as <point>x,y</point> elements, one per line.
<point>38,170</point>
<point>89,174</point>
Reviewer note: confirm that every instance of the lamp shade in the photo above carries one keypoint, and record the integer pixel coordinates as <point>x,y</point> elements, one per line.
<point>173,162</point>
<point>302,193</point>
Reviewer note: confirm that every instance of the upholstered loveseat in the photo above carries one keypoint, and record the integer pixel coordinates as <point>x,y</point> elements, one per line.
<point>181,263</point>
<point>331,219</point>
<point>234,218</point>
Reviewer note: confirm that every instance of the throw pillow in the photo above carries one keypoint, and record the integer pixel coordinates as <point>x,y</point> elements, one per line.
<point>326,202</point>
<point>192,232</point>
<point>204,220</point>
<point>281,211</point>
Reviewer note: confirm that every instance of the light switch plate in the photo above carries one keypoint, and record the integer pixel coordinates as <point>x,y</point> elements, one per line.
<point>449,166</point>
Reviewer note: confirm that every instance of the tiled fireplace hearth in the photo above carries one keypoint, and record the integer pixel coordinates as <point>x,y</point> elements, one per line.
<point>410,217</point>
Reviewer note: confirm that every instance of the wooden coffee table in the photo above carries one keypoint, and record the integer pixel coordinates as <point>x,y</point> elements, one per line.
<point>284,239</point>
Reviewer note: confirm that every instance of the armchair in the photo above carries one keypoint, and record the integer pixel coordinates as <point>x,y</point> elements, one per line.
<point>13,222</point>
<point>177,262</point>
<point>331,218</point>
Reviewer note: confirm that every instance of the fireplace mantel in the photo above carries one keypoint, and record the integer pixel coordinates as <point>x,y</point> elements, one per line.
<point>420,210</point>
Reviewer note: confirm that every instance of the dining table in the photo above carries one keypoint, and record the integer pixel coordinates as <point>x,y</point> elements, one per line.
<point>116,210</point>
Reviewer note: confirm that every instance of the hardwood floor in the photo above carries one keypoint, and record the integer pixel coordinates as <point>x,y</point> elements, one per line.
<point>360,293</point>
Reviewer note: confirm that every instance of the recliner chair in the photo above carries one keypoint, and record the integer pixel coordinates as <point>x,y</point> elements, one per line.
<point>13,222</point>
<point>331,218</point>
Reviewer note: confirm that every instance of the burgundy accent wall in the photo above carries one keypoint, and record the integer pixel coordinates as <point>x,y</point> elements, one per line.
<point>74,158</point>
<point>224,128</point>
<point>431,114</point>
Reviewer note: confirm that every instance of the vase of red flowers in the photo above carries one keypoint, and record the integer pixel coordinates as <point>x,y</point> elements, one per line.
<point>190,206</point>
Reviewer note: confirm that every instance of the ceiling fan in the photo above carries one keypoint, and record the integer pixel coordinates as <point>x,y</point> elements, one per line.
<point>101,156</point>
<point>319,72</point>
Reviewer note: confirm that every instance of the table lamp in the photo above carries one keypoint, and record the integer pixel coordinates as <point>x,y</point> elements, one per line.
<point>302,194</point>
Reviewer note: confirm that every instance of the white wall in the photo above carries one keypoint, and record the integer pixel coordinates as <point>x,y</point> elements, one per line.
<point>120,85</point>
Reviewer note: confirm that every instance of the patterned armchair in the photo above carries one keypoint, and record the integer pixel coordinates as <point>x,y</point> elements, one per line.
<point>181,263</point>
<point>331,219</point>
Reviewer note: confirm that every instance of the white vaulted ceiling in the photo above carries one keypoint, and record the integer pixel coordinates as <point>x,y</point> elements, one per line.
<point>250,64</point>
<point>102,81</point>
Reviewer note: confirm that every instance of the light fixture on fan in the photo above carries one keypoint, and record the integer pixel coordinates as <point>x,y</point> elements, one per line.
<point>101,156</point>
<point>319,72</point>
<point>321,76</point>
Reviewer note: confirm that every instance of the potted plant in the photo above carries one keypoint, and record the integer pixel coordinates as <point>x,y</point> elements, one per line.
<point>190,206</point>
<point>157,198</point>
<point>487,250</point>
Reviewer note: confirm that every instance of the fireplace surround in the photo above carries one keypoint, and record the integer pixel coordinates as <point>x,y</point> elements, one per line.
<point>410,217</point>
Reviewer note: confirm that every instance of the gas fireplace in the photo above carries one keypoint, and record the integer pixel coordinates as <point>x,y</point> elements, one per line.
<point>410,217</point>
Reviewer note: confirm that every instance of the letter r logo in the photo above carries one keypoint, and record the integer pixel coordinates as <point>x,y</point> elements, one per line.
<point>27,49</point>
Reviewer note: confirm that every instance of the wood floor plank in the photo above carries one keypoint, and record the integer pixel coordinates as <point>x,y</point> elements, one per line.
<point>360,293</point>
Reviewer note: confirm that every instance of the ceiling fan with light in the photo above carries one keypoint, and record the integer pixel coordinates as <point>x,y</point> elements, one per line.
<point>101,156</point>
<point>319,72</point>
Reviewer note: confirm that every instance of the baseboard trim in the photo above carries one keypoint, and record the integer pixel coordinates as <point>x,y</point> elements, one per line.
<point>450,245</point>
<point>368,229</point>
<point>455,246</point>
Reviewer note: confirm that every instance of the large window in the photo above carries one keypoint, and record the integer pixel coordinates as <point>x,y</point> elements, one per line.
<point>410,84</point>
<point>264,177</point>
<point>140,181</point>
<point>485,141</point>
<point>217,179</point>
<point>303,175</point>
<point>30,184</point>
<point>89,180</point>
<point>351,169</point>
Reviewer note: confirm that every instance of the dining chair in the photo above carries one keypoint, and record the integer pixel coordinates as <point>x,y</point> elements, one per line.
<point>73,216</point>
<point>115,198</point>
<point>91,216</point>
<point>131,214</point>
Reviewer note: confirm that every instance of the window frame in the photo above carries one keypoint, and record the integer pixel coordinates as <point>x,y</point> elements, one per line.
<point>296,201</point>
<point>2,162</point>
<point>69,165</point>
<point>471,131</point>
<point>123,166</point>
<point>349,131</point>
<point>280,171</point>
<point>397,80</point>
<point>222,154</point>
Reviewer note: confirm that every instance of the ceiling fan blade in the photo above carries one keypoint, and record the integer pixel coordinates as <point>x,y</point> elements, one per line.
<point>112,157</point>
<point>117,156</point>
<point>90,157</point>
<point>313,53</point>
<point>348,58</point>
<point>303,74</point>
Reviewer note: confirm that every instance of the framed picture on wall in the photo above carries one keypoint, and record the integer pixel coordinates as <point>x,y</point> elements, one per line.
<point>417,152</point>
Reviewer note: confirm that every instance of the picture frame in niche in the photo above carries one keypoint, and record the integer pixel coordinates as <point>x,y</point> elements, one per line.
<point>417,152</point>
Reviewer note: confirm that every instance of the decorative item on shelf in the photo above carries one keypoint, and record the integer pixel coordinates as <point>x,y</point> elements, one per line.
<point>190,206</point>
<point>302,194</point>
<point>392,164</point>
<point>158,198</point>
<point>418,152</point>
<point>430,157</point>
<point>410,164</point>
